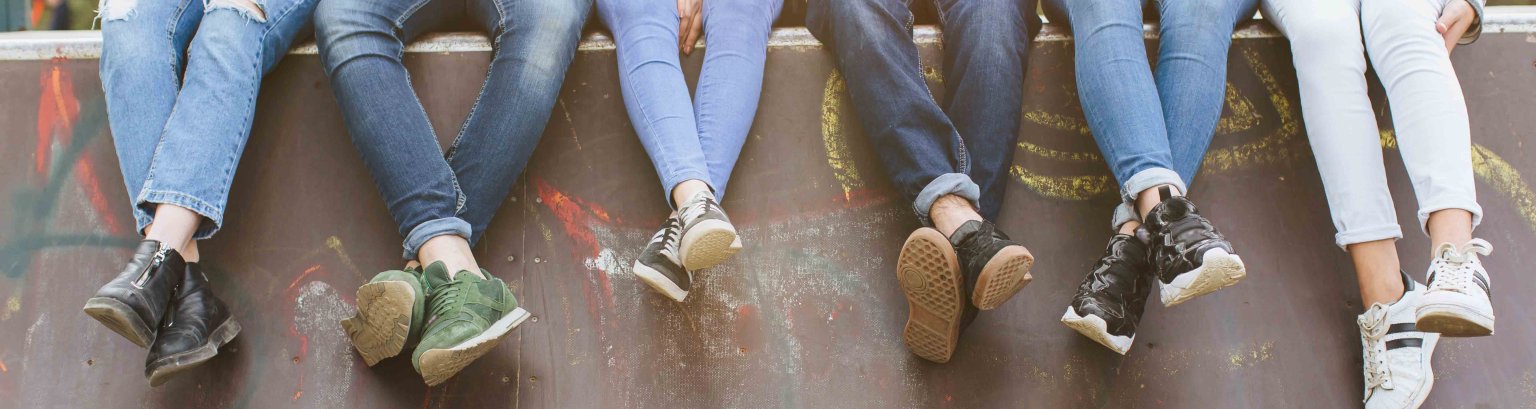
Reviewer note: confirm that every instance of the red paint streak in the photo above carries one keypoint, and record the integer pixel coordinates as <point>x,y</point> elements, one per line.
<point>576,217</point>
<point>57,111</point>
<point>3,368</point>
<point>300,278</point>
<point>86,174</point>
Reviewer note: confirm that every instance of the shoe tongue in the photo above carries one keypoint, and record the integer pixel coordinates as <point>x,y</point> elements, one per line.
<point>436,274</point>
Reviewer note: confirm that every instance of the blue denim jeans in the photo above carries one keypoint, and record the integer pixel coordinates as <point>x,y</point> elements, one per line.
<point>430,193</point>
<point>962,147</point>
<point>181,78</point>
<point>1153,128</point>
<point>697,139</point>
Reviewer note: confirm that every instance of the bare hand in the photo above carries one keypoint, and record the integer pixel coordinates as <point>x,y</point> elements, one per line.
<point>1454,21</point>
<point>690,24</point>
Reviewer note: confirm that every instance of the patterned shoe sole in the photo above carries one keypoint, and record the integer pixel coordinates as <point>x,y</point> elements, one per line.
<point>164,368</point>
<point>1453,320</point>
<point>383,320</point>
<point>929,273</point>
<point>1003,276</point>
<point>1218,269</point>
<point>119,318</point>
<point>439,365</point>
<point>707,244</point>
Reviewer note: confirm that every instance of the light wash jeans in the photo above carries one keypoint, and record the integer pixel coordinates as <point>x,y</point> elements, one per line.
<point>962,146</point>
<point>1153,128</point>
<point>695,138</point>
<point>181,78</point>
<point>1329,43</point>
<point>430,193</point>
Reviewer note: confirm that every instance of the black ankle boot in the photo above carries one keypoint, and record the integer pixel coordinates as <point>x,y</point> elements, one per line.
<point>196,326</point>
<point>133,303</point>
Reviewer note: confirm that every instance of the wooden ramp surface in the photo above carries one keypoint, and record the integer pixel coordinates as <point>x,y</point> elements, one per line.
<point>809,315</point>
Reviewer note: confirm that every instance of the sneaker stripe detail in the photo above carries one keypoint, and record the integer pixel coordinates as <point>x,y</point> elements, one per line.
<point>1403,327</point>
<point>1405,343</point>
<point>1482,282</point>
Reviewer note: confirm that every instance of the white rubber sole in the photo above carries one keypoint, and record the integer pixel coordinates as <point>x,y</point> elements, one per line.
<point>383,320</point>
<point>1096,329</point>
<point>1453,318</point>
<point>707,244</point>
<point>439,365</point>
<point>1218,269</point>
<point>659,282</point>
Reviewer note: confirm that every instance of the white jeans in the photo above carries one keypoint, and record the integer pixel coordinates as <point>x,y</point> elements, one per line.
<point>1428,110</point>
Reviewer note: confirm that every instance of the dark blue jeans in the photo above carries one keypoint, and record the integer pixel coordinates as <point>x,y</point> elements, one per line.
<point>962,147</point>
<point>428,194</point>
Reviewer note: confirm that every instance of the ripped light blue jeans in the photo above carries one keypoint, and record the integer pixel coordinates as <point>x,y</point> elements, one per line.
<point>181,78</point>
<point>697,139</point>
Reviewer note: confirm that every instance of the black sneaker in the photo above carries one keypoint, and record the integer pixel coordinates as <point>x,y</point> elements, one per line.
<point>707,235</point>
<point>1191,258</point>
<point>929,273</point>
<point>133,303</point>
<point>198,324</point>
<point>997,265</point>
<point>658,264</point>
<point>1109,303</point>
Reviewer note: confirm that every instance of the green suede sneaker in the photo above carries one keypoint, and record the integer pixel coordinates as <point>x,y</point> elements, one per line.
<point>467,317</point>
<point>390,310</point>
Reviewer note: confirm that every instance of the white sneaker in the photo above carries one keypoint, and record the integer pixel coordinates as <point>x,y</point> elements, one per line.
<point>1458,302</point>
<point>1397,372</point>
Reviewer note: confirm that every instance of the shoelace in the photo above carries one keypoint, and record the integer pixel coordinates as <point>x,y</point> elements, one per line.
<point>695,208</point>
<point>1373,327</point>
<point>1454,267</point>
<point>447,296</point>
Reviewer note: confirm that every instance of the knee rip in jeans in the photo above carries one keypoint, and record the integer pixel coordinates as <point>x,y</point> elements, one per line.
<point>250,8</point>
<point>114,10</point>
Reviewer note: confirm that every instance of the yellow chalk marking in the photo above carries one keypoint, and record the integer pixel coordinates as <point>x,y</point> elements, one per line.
<point>1494,171</point>
<point>1243,117</point>
<point>1062,187</point>
<point>1272,148</point>
<point>833,97</point>
<point>1058,122</point>
<point>12,305</point>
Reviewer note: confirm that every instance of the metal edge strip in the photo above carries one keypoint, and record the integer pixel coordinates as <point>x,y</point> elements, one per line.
<point>47,45</point>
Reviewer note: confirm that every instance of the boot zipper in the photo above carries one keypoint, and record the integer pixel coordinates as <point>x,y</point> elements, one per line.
<point>154,262</point>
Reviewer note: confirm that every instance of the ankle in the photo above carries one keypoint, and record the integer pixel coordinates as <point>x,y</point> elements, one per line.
<point>950,212</point>
<point>190,253</point>
<point>451,250</point>
<point>687,190</point>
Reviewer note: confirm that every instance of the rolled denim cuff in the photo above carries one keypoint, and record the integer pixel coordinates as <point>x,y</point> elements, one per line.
<point>1367,234</point>
<point>1470,206</point>
<point>1148,179</point>
<point>1124,213</point>
<point>213,216</point>
<point>434,228</point>
<point>957,184</point>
